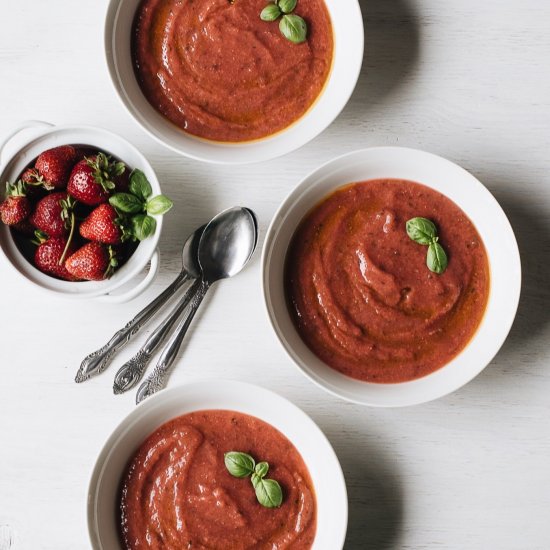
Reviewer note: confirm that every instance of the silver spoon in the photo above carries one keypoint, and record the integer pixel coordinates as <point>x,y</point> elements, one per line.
<point>98,361</point>
<point>226,245</point>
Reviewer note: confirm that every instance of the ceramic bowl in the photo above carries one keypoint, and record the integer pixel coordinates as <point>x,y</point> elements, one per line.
<point>472,197</point>
<point>322,463</point>
<point>23,145</point>
<point>348,55</point>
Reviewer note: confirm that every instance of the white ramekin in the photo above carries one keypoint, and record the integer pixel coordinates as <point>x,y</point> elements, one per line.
<point>319,457</point>
<point>470,195</point>
<point>348,33</point>
<point>25,143</point>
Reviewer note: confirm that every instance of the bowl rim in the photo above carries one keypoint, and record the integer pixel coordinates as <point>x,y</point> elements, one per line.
<point>239,150</point>
<point>226,388</point>
<point>86,289</point>
<point>272,234</point>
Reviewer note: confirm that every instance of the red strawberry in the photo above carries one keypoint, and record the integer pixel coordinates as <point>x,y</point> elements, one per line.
<point>52,213</point>
<point>16,207</point>
<point>48,254</point>
<point>101,225</point>
<point>92,179</point>
<point>92,262</point>
<point>36,185</point>
<point>55,164</point>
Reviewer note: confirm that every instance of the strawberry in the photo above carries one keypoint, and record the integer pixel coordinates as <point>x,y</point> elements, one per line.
<point>36,185</point>
<point>16,207</point>
<point>48,255</point>
<point>55,165</point>
<point>92,179</point>
<point>101,226</point>
<point>92,262</point>
<point>52,214</point>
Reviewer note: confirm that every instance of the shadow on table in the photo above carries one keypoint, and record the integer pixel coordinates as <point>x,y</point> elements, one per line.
<point>375,500</point>
<point>391,49</point>
<point>531,223</point>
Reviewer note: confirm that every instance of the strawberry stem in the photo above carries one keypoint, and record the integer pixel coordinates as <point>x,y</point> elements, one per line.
<point>65,250</point>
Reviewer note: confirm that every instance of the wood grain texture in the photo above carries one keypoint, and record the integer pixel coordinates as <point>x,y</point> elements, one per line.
<point>463,79</point>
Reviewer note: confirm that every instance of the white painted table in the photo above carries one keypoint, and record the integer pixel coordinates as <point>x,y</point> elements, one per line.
<point>468,80</point>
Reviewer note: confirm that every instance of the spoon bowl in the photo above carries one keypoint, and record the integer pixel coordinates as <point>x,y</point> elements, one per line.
<point>227,243</point>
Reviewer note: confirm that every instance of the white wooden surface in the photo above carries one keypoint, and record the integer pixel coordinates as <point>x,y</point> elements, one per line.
<point>465,79</point>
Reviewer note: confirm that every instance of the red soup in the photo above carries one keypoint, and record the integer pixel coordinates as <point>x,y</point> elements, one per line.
<point>359,290</point>
<point>177,493</point>
<point>217,71</point>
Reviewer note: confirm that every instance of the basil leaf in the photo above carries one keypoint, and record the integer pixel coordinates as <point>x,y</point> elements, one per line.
<point>421,230</point>
<point>293,28</point>
<point>270,13</point>
<point>127,203</point>
<point>261,469</point>
<point>139,185</point>
<point>436,260</point>
<point>255,479</point>
<point>269,493</point>
<point>239,464</point>
<point>159,205</point>
<point>287,5</point>
<point>143,226</point>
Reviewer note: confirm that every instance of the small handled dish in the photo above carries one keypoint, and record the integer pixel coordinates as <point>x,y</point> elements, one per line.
<point>25,143</point>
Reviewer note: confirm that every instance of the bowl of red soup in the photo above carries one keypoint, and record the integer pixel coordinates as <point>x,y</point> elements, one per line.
<point>391,276</point>
<point>217,464</point>
<point>231,81</point>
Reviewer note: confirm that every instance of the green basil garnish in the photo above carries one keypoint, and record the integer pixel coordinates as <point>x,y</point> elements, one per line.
<point>270,13</point>
<point>158,205</point>
<point>261,469</point>
<point>239,464</point>
<point>287,6</point>
<point>268,491</point>
<point>143,226</point>
<point>139,185</point>
<point>126,203</point>
<point>421,230</point>
<point>424,231</point>
<point>293,28</point>
<point>436,260</point>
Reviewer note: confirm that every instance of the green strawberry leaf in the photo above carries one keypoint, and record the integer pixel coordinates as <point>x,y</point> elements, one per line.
<point>143,226</point>
<point>139,185</point>
<point>158,205</point>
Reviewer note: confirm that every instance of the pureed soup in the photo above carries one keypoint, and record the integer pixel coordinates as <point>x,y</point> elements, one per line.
<point>359,289</point>
<point>216,70</point>
<point>177,492</point>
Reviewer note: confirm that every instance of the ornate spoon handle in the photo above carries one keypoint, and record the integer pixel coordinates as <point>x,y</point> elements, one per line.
<point>97,361</point>
<point>156,380</point>
<point>131,372</point>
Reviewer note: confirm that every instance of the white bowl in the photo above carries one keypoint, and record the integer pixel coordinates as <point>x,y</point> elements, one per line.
<point>322,463</point>
<point>348,34</point>
<point>470,195</point>
<point>34,137</point>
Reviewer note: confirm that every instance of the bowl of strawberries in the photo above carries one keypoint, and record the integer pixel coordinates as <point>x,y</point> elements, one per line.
<point>81,213</point>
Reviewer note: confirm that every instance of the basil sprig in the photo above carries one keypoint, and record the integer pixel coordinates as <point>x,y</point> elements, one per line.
<point>424,231</point>
<point>268,491</point>
<point>292,26</point>
<point>137,206</point>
